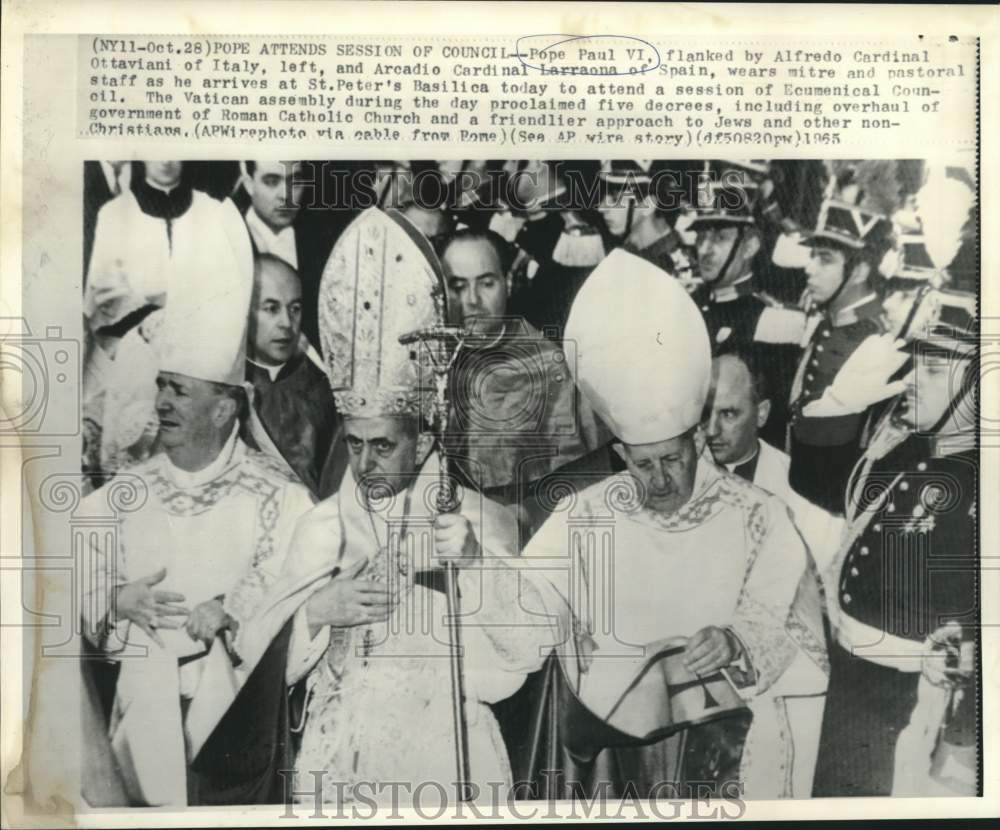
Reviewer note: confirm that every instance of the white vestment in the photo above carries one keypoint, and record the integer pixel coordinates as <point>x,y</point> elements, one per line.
<point>221,531</point>
<point>379,697</point>
<point>805,712</point>
<point>135,261</point>
<point>730,557</point>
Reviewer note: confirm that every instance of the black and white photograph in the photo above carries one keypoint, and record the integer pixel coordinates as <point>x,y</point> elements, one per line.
<point>615,476</point>
<point>379,443</point>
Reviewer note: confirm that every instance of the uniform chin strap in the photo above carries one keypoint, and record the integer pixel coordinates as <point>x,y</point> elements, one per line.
<point>962,398</point>
<point>740,233</point>
<point>843,284</point>
<point>912,314</point>
<point>628,219</point>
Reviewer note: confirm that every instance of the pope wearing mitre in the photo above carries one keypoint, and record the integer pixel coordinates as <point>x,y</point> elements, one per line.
<point>361,593</point>
<point>677,575</point>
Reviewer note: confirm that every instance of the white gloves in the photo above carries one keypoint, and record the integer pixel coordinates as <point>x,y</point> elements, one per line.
<point>863,379</point>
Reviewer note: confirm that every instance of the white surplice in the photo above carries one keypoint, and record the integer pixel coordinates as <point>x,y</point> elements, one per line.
<point>380,706</point>
<point>730,557</point>
<point>221,531</point>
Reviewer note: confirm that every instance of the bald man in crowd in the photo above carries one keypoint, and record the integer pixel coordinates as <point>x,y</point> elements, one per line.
<point>280,204</point>
<point>741,406</point>
<point>291,393</point>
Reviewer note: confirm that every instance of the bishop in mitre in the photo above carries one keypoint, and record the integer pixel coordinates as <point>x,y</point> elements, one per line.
<point>201,530</point>
<point>360,604</point>
<point>694,614</point>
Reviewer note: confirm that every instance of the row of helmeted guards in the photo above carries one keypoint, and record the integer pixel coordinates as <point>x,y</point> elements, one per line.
<point>898,546</point>
<point>713,225</point>
<point>900,570</point>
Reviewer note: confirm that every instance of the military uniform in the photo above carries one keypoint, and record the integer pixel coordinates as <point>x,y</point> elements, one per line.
<point>735,315</point>
<point>911,567</point>
<point>824,450</point>
<point>853,221</point>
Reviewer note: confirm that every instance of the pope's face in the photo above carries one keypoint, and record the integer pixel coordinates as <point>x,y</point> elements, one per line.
<point>274,193</point>
<point>735,418</point>
<point>276,320</point>
<point>384,453</point>
<point>188,411</point>
<point>477,289</point>
<point>825,272</point>
<point>665,470</point>
<point>164,174</point>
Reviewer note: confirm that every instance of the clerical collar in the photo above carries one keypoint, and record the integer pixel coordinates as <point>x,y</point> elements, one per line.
<point>185,479</point>
<point>272,371</point>
<point>734,290</point>
<point>280,244</point>
<point>159,203</point>
<point>747,468</point>
<point>850,313</point>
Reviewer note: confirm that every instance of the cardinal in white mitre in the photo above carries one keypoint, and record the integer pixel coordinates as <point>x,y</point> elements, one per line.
<point>360,600</point>
<point>200,532</point>
<point>689,590</point>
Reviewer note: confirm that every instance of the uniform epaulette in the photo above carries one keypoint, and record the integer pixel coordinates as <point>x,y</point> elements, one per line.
<point>773,302</point>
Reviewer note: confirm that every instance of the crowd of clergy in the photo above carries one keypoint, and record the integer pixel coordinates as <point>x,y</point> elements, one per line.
<point>530,480</point>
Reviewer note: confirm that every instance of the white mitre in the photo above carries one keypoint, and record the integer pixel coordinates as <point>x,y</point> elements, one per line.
<point>204,333</point>
<point>643,357</point>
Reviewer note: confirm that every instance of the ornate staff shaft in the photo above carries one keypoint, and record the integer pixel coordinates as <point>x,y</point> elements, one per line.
<point>447,342</point>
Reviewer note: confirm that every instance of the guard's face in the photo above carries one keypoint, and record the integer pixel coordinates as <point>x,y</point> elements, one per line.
<point>899,303</point>
<point>714,247</point>
<point>164,174</point>
<point>477,288</point>
<point>188,410</point>
<point>935,381</point>
<point>896,307</point>
<point>614,208</point>
<point>665,470</point>
<point>385,454</point>
<point>275,192</point>
<point>277,316</point>
<point>825,272</point>
<point>735,418</point>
